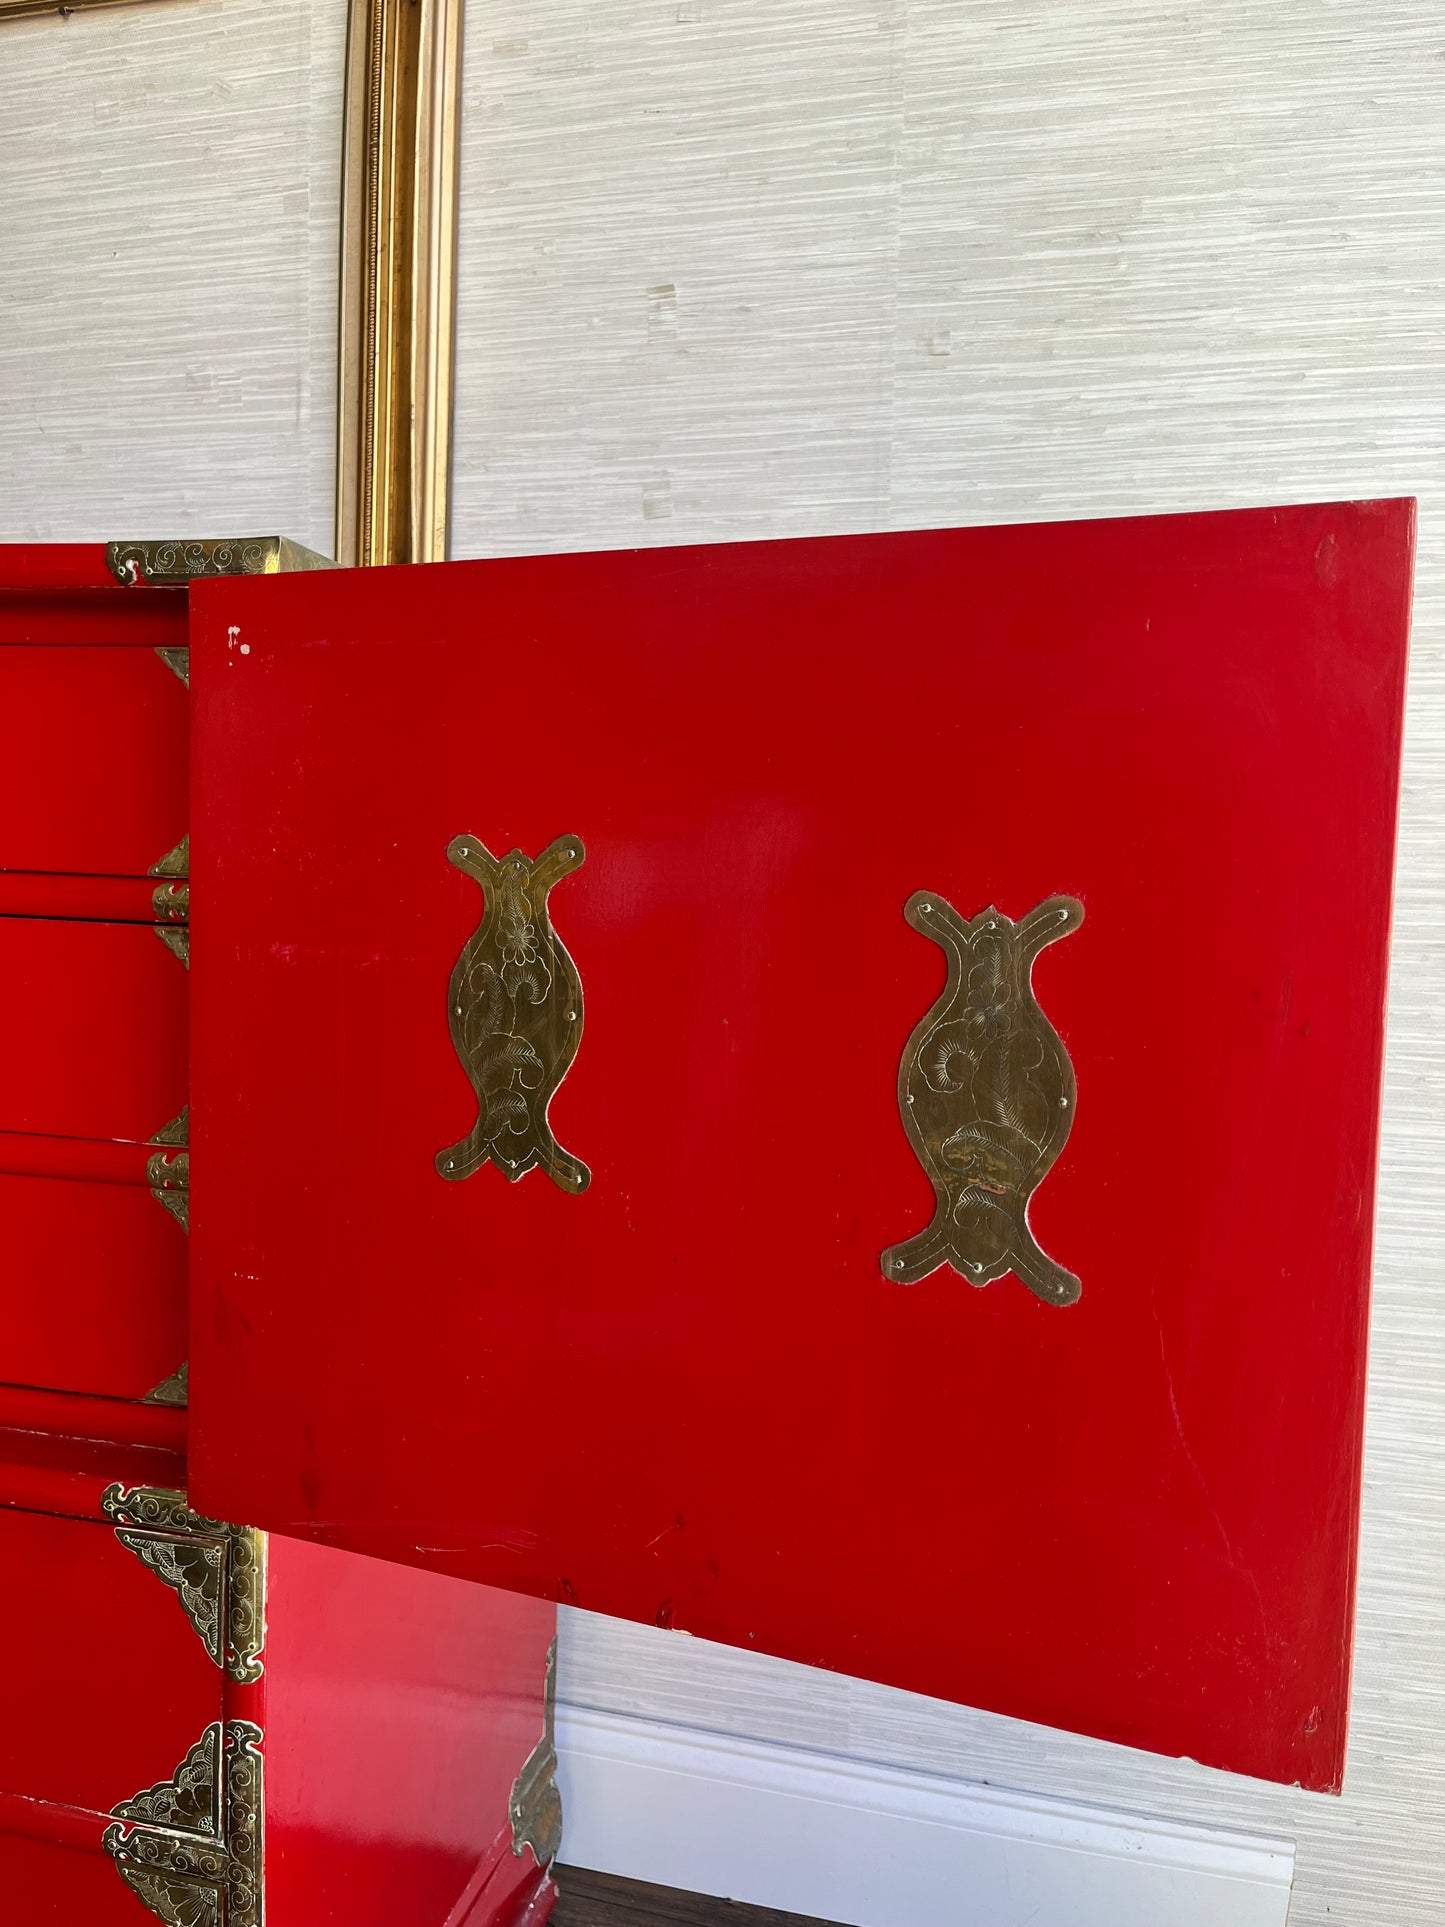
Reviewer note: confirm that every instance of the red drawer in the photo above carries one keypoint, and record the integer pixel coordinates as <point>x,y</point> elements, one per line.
<point>95,1286</point>
<point>95,1029</point>
<point>107,1683</point>
<point>92,758</point>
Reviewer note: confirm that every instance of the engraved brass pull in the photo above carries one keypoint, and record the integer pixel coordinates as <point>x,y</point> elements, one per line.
<point>986,1093</point>
<point>514,1008</point>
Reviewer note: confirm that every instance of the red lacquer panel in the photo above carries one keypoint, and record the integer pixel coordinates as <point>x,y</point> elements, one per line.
<point>400,1708</point>
<point>65,1886</point>
<point>95,1286</point>
<point>107,1683</point>
<point>92,754</point>
<point>689,1394</point>
<point>96,1041</point>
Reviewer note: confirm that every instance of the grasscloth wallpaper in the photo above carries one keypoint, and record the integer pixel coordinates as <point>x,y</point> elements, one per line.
<point>783,267</point>
<point>169,209</point>
<point>751,267</point>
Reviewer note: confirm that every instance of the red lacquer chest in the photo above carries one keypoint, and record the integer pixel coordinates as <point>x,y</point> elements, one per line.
<point>199,1722</point>
<point>822,1094</point>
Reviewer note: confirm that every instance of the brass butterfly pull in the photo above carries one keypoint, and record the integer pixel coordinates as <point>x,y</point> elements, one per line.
<point>514,1008</point>
<point>986,1092</point>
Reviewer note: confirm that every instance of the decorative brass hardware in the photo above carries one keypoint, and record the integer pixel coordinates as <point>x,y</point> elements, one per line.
<point>190,1847</point>
<point>986,1093</point>
<point>171,902</point>
<point>171,898</point>
<point>514,1007</point>
<point>168,1171</point>
<point>536,1804</point>
<point>175,1390</point>
<point>177,939</point>
<point>169,1177</point>
<point>398,280</point>
<point>218,1572</point>
<point>173,564</point>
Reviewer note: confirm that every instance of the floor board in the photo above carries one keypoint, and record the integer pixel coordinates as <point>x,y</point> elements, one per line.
<point>602,1900</point>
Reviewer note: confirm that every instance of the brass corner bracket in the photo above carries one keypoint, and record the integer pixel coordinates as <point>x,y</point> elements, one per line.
<point>174,1390</point>
<point>217,1571</point>
<point>398,280</point>
<point>171,565</point>
<point>168,1171</point>
<point>171,898</point>
<point>536,1805</point>
<point>190,1847</point>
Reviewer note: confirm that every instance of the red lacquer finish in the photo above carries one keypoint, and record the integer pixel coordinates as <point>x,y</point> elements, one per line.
<point>400,1708</point>
<point>105,899</point>
<point>92,744</point>
<point>87,1418</point>
<point>100,1048</point>
<point>114,1686</point>
<point>1135,1517</point>
<point>54,566</point>
<point>41,1472</point>
<point>95,1287</point>
<point>48,1884</point>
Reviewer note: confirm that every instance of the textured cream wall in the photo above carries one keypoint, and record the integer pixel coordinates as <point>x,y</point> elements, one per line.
<point>750,267</point>
<point>169,209</point>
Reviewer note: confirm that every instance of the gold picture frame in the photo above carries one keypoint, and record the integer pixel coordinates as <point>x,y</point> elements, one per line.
<point>397,306</point>
<point>398,280</point>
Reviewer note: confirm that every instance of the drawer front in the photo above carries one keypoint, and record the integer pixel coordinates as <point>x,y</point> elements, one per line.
<point>93,759</point>
<point>95,1029</point>
<point>95,1287</point>
<point>59,1886</point>
<point>107,1684</point>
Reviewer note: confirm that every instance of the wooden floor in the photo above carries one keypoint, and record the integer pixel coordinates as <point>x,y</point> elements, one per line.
<point>601,1900</point>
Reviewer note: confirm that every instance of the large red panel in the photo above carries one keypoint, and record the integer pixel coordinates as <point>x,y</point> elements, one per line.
<point>689,1395</point>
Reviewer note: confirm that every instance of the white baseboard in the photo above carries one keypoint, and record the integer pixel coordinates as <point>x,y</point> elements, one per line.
<point>876,1846</point>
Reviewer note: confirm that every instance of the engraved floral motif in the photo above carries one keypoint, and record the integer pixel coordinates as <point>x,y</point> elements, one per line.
<point>217,1571</point>
<point>190,1847</point>
<point>514,1008</point>
<point>986,1093</point>
<point>177,562</point>
<point>168,1171</point>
